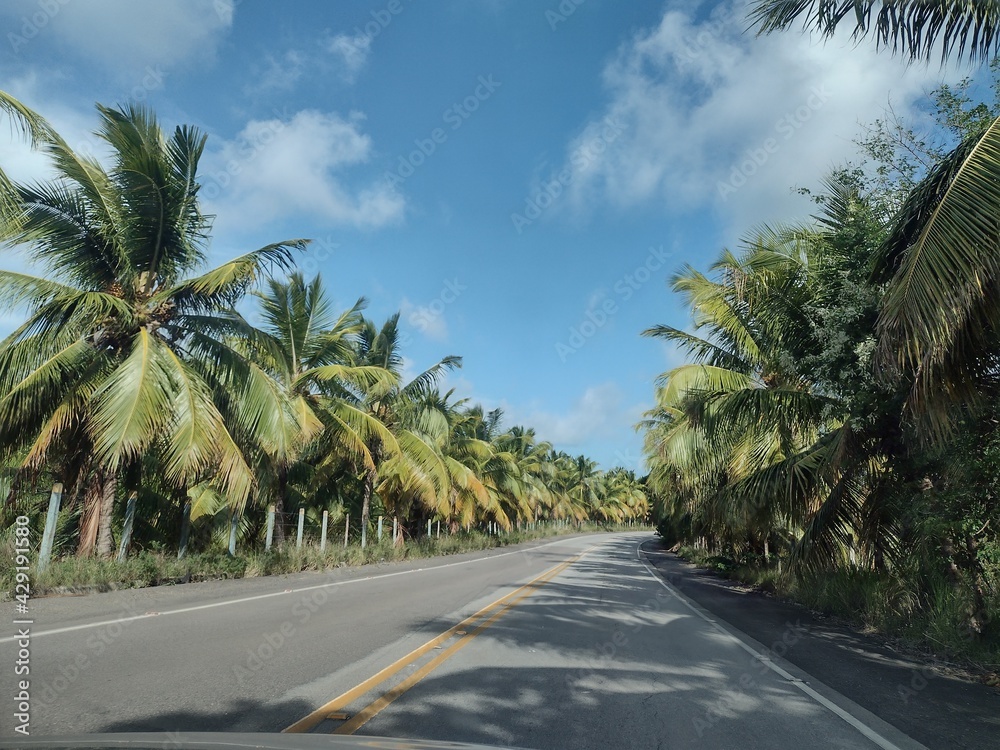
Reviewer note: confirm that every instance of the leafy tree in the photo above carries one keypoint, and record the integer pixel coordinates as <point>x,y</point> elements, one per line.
<point>308,351</point>
<point>126,342</point>
<point>775,425</point>
<point>415,460</point>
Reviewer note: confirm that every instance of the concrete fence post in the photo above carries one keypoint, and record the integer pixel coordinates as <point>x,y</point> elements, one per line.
<point>302,525</point>
<point>49,535</point>
<point>322,536</point>
<point>380,519</point>
<point>129,523</point>
<point>269,539</point>
<point>185,530</point>
<point>347,528</point>
<point>234,523</point>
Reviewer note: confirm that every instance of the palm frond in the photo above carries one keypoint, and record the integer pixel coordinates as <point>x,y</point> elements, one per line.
<point>940,310</point>
<point>225,285</point>
<point>912,28</point>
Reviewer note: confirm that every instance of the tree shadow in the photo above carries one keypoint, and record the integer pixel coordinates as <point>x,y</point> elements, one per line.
<point>933,707</point>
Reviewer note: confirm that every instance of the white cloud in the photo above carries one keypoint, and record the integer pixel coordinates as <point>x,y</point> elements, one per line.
<point>692,101</point>
<point>597,414</point>
<point>346,53</point>
<point>280,73</point>
<point>427,319</point>
<point>351,51</point>
<point>125,37</point>
<point>284,168</point>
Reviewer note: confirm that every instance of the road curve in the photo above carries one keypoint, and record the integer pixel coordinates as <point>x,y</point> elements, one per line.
<point>569,643</point>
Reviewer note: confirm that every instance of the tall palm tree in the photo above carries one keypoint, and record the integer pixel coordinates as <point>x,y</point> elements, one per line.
<point>308,351</point>
<point>449,431</point>
<point>914,28</point>
<point>745,438</point>
<point>380,347</point>
<point>125,348</point>
<point>536,471</point>
<point>621,497</point>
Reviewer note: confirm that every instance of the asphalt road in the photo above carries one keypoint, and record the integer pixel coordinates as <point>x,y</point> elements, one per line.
<point>575,643</point>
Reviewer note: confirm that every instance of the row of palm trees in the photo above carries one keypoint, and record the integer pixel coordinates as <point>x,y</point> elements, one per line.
<point>138,374</point>
<point>838,409</point>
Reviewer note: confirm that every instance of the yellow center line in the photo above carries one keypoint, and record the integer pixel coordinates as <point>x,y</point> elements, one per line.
<point>313,719</point>
<point>371,710</point>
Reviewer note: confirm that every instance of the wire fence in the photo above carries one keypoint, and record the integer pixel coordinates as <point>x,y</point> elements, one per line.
<point>307,528</point>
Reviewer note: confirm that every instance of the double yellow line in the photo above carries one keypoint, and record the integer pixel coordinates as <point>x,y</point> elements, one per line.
<point>498,609</point>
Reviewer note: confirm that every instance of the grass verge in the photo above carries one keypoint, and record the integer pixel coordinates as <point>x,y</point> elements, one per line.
<point>931,622</point>
<point>73,575</point>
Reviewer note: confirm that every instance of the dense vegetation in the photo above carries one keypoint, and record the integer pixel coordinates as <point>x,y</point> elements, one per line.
<point>835,431</point>
<point>137,378</point>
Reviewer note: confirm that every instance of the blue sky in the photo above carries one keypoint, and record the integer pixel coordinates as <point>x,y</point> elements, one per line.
<point>518,177</point>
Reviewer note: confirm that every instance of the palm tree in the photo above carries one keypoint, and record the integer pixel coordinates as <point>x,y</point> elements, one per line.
<point>125,349</point>
<point>308,351</point>
<point>507,485</point>
<point>941,314</point>
<point>913,28</point>
<point>751,440</point>
<point>380,347</point>
<point>621,497</point>
<point>37,131</point>
<point>536,471</point>
<point>456,490</point>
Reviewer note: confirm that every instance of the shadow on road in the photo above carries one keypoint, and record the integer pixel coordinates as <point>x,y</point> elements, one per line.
<point>603,657</point>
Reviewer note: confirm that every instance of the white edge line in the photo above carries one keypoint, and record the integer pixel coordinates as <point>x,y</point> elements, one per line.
<point>257,597</point>
<point>850,718</point>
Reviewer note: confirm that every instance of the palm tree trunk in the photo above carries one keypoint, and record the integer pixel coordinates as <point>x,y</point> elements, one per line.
<point>453,525</point>
<point>90,517</point>
<point>105,543</point>
<point>979,614</point>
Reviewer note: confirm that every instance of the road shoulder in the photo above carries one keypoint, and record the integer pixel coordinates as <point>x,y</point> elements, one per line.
<point>937,709</point>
